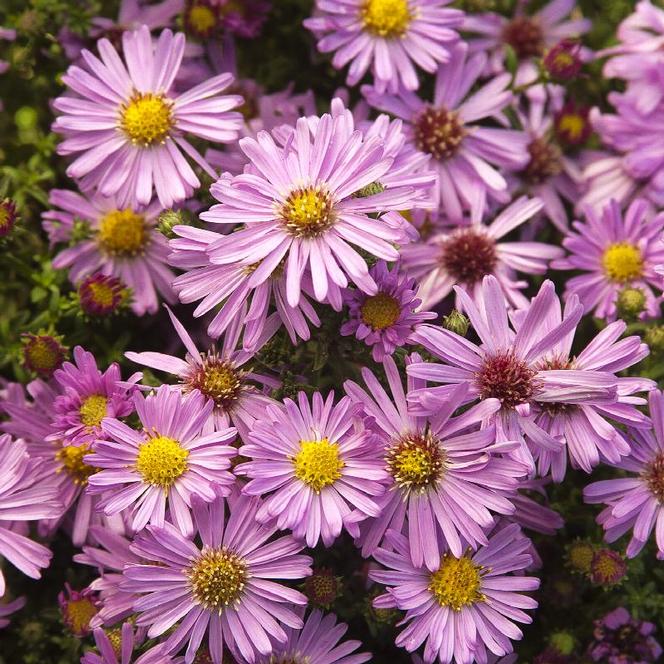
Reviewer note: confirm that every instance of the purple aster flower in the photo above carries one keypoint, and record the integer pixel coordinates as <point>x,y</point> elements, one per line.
<point>135,141</point>
<point>466,254</point>
<point>466,155</point>
<point>219,375</point>
<point>385,321</point>
<point>6,610</point>
<point>387,36</point>
<point>100,295</point>
<point>299,209</point>
<point>110,653</point>
<point>175,455</point>
<point>621,639</point>
<point>437,467</point>
<point>114,240</point>
<point>509,365</point>
<point>615,252</point>
<point>529,36</point>
<point>466,608</point>
<point>635,502</point>
<point>77,609</point>
<point>316,465</point>
<point>224,587</point>
<point>318,641</point>
<point>110,554</point>
<point>27,493</point>
<point>87,397</point>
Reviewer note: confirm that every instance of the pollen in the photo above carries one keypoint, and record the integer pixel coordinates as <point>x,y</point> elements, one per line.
<point>438,132</point>
<point>72,460</point>
<point>308,212</point>
<point>622,262</point>
<point>654,477</point>
<point>607,568</point>
<point>386,18</point>
<point>78,614</point>
<point>147,119</point>
<point>93,410</point>
<point>217,578</point>
<point>572,126</point>
<point>161,461</point>
<point>456,583</point>
<point>416,461</point>
<point>218,380</point>
<point>317,464</point>
<point>42,353</point>
<point>122,233</point>
<point>468,255</point>
<point>380,311</point>
<point>507,378</point>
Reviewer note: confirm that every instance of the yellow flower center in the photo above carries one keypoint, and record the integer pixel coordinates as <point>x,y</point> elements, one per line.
<point>622,262</point>
<point>217,578</point>
<point>572,126</point>
<point>115,637</point>
<point>43,354</point>
<point>386,18</point>
<point>201,19</point>
<point>72,458</point>
<point>147,119</point>
<point>122,233</point>
<point>218,381</point>
<point>308,212</point>
<point>79,613</point>
<point>580,556</point>
<point>456,583</point>
<point>317,464</point>
<point>607,567</point>
<point>93,410</point>
<point>416,461</point>
<point>380,311</point>
<point>161,461</point>
<point>101,293</point>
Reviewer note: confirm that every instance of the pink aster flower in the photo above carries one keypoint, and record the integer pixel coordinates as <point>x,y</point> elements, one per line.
<point>437,467</point>
<point>466,254</point>
<point>317,467</point>
<point>529,36</point>
<point>387,36</point>
<point>318,641</point>
<point>466,156</point>
<point>225,587</point>
<point>635,502</point>
<point>615,252</point>
<point>299,209</point>
<point>6,610</point>
<point>386,320</point>
<point>87,397</point>
<point>509,364</point>
<point>27,493</point>
<point>175,455</point>
<point>219,375</point>
<point>129,129</point>
<point>466,608</point>
<point>114,240</point>
<point>106,652</point>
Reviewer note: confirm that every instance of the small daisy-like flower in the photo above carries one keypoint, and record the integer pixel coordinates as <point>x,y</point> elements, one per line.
<point>316,466</point>
<point>636,502</point>
<point>27,493</point>
<point>579,556</point>
<point>466,254</point>
<point>88,396</point>
<point>385,320</point>
<point>607,568</point>
<point>226,586</point>
<point>615,251</point>
<point>437,468</point>
<point>322,588</point>
<point>386,36</point>
<point>466,608</point>
<point>101,295</point>
<point>135,143</point>
<point>42,353</point>
<point>77,609</point>
<point>113,240</point>
<point>465,155</point>
<point>318,641</point>
<point>8,216</point>
<point>220,375</point>
<point>571,124</point>
<point>174,455</point>
<point>110,652</point>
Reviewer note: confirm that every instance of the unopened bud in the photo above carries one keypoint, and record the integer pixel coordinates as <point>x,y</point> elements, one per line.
<point>456,322</point>
<point>631,302</point>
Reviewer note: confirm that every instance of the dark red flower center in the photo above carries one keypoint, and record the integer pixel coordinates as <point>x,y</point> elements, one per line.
<point>438,132</point>
<point>524,35</point>
<point>545,161</point>
<point>469,255</point>
<point>507,378</point>
<point>654,477</point>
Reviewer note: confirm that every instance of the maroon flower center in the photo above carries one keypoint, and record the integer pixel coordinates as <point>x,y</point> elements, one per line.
<point>507,378</point>
<point>218,380</point>
<point>468,255</point>
<point>545,161</point>
<point>438,132</point>
<point>524,35</point>
<point>654,477</point>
